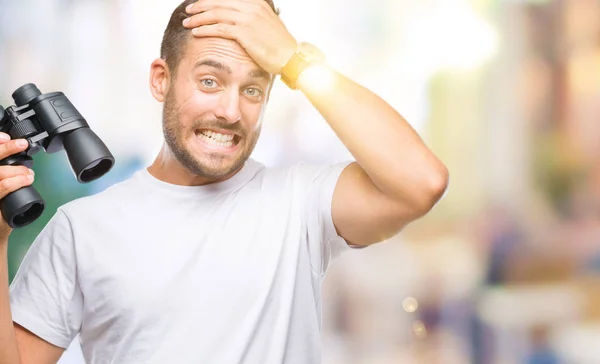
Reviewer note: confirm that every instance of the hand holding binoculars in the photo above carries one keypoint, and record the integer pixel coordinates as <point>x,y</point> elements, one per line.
<point>51,123</point>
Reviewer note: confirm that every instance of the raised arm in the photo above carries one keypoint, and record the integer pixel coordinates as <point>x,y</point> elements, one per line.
<point>396,178</point>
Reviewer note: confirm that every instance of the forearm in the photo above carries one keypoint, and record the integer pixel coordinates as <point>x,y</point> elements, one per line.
<point>9,352</point>
<point>388,149</point>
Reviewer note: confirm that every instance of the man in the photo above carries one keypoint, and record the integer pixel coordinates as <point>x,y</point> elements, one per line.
<point>207,256</point>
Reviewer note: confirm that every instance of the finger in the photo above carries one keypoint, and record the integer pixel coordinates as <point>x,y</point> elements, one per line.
<point>243,6</point>
<point>220,30</point>
<point>215,16</point>
<point>4,138</point>
<point>12,147</point>
<point>12,184</point>
<point>13,171</point>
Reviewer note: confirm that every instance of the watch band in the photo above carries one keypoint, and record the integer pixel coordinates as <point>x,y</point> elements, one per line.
<point>305,55</point>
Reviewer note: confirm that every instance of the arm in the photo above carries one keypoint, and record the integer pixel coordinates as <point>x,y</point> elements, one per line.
<point>17,345</point>
<point>9,351</point>
<point>396,178</point>
<point>34,350</point>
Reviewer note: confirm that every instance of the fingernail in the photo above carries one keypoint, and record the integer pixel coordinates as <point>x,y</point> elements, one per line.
<point>4,136</point>
<point>30,178</point>
<point>186,20</point>
<point>31,172</point>
<point>22,143</point>
<point>189,8</point>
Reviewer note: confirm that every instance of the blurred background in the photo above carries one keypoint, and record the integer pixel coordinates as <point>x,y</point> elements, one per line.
<point>506,268</point>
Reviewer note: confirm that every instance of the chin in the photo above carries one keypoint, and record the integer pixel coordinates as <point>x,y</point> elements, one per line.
<point>216,169</point>
<point>214,165</point>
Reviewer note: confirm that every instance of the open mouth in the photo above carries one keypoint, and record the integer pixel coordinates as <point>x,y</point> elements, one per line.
<point>218,139</point>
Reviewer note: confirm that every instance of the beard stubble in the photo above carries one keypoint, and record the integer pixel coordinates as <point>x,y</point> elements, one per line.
<point>215,166</point>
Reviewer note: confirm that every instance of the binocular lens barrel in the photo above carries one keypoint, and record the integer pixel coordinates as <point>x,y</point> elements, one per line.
<point>88,155</point>
<point>22,207</point>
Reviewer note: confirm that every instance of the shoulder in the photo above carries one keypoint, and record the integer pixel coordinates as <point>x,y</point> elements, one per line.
<point>113,195</point>
<point>309,173</point>
<point>302,174</point>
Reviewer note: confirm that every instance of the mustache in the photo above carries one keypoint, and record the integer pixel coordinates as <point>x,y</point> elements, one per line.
<point>219,124</point>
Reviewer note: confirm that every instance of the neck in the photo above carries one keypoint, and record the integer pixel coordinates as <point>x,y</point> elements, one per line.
<point>168,169</point>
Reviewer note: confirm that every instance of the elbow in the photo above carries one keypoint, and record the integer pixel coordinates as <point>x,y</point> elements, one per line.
<point>439,183</point>
<point>434,188</point>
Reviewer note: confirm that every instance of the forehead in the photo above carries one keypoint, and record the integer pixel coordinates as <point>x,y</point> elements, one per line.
<point>224,50</point>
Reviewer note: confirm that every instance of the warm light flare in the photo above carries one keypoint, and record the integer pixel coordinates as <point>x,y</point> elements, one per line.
<point>316,78</point>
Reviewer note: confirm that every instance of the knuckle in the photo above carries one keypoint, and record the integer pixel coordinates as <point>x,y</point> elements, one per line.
<point>208,18</point>
<point>221,29</point>
<point>192,7</point>
<point>5,185</point>
<point>22,181</point>
<point>7,172</point>
<point>198,18</point>
<point>261,6</point>
<point>253,17</point>
<point>16,144</point>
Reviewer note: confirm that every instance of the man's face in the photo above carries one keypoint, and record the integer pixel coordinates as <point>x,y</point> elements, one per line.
<point>214,106</point>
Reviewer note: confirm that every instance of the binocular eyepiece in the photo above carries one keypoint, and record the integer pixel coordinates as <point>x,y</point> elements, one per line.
<point>51,123</point>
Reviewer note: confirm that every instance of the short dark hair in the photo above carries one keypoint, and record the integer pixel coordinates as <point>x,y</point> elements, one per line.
<point>174,39</point>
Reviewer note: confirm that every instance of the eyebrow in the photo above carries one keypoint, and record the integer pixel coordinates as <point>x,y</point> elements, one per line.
<point>255,73</point>
<point>259,73</point>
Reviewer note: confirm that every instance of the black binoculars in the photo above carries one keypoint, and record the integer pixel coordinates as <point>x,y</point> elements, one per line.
<point>51,123</point>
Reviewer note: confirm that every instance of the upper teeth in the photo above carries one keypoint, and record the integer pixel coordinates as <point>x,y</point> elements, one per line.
<point>217,136</point>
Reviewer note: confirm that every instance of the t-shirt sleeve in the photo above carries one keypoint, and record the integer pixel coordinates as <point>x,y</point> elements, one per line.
<point>45,296</point>
<point>324,243</point>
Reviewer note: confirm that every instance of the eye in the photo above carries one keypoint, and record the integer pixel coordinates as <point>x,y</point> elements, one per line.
<point>253,92</point>
<point>209,83</point>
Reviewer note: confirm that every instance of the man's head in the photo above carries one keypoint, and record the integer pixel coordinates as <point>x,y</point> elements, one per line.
<point>214,97</point>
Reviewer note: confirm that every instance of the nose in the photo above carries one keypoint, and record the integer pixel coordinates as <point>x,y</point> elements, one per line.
<point>228,108</point>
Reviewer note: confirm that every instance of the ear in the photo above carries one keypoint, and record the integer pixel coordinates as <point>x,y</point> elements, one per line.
<point>159,79</point>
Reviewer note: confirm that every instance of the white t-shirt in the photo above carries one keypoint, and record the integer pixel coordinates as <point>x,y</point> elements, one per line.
<point>150,272</point>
